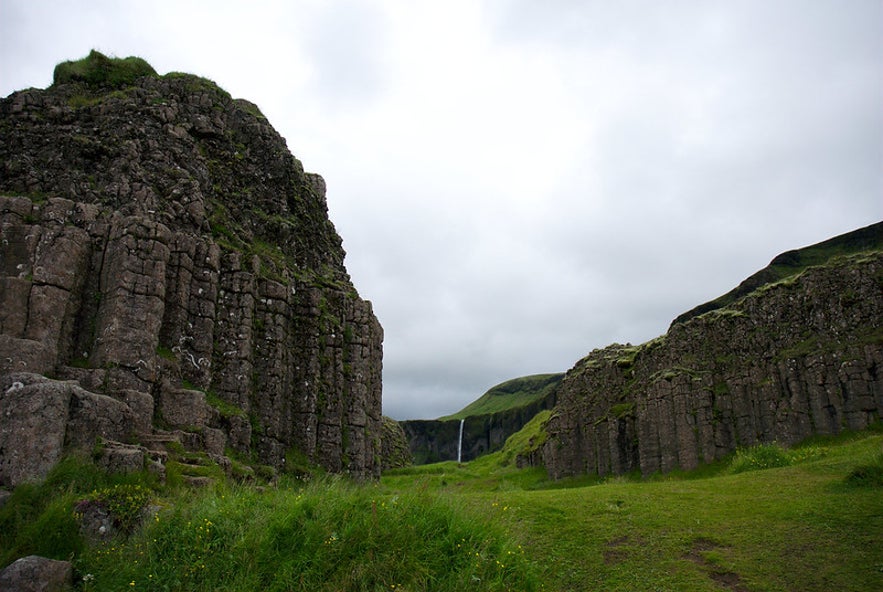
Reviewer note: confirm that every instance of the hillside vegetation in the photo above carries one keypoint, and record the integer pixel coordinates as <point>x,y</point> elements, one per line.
<point>809,519</point>
<point>791,263</point>
<point>511,394</point>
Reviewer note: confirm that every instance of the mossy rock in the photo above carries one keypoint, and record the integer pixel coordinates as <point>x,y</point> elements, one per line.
<point>98,70</point>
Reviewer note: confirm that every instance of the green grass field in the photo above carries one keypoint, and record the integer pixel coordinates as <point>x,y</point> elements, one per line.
<point>813,523</point>
<point>797,527</point>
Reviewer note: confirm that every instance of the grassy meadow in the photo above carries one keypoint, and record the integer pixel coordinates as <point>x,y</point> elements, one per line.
<point>768,519</point>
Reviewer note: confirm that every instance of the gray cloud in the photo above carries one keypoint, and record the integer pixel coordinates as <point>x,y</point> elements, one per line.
<point>518,183</point>
<point>345,43</point>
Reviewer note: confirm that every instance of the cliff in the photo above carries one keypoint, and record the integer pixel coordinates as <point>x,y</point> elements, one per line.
<point>487,422</point>
<point>792,357</point>
<point>162,247</point>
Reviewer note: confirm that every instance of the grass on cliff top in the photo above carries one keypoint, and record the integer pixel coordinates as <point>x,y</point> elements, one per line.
<point>101,71</point>
<point>812,525</point>
<point>792,263</point>
<point>511,394</point>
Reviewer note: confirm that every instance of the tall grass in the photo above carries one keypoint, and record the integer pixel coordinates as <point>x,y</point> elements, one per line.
<point>330,535</point>
<point>39,519</point>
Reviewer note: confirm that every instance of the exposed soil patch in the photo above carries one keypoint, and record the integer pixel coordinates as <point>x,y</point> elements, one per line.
<point>620,549</point>
<point>727,579</point>
<point>618,541</point>
<point>614,556</point>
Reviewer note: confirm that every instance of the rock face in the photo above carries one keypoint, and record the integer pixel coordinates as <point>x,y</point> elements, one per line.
<point>41,418</point>
<point>792,262</point>
<point>790,359</point>
<point>394,446</point>
<point>161,246</point>
<point>433,440</point>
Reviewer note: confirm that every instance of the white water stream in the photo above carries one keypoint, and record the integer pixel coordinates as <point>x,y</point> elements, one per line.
<point>460,442</point>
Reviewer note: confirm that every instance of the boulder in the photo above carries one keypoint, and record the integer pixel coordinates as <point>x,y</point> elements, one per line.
<point>43,418</point>
<point>37,574</point>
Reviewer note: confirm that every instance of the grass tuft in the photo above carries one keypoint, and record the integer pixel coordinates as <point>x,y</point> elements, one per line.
<point>99,70</point>
<point>39,519</point>
<point>867,475</point>
<point>765,456</point>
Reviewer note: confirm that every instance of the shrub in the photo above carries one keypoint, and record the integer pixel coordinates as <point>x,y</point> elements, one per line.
<point>765,456</point>
<point>124,502</point>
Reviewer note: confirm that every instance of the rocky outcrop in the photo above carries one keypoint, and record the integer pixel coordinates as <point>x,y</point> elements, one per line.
<point>394,446</point>
<point>41,418</point>
<point>163,248</point>
<point>790,359</point>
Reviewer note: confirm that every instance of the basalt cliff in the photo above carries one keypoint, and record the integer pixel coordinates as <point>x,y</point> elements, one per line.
<point>168,272</point>
<point>794,351</point>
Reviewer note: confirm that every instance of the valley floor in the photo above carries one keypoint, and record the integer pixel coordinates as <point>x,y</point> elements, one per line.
<point>808,519</point>
<point>799,527</point>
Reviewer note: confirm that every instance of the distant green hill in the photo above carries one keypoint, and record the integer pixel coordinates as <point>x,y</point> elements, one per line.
<point>869,238</point>
<point>511,394</point>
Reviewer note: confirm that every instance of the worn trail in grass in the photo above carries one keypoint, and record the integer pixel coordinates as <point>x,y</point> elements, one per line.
<point>798,527</point>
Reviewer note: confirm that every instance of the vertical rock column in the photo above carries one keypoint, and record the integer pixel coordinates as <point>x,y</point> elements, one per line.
<point>306,385</point>
<point>234,344</point>
<point>192,290</point>
<point>337,386</point>
<point>362,365</point>
<point>332,434</point>
<point>273,373</point>
<point>132,302</point>
<point>42,267</point>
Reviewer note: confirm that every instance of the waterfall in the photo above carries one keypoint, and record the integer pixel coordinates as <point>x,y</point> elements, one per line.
<point>460,442</point>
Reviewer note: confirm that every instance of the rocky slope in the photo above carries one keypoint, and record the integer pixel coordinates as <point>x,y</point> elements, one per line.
<point>788,359</point>
<point>162,247</point>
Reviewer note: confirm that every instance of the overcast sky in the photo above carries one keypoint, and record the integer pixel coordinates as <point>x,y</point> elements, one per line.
<point>520,182</point>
